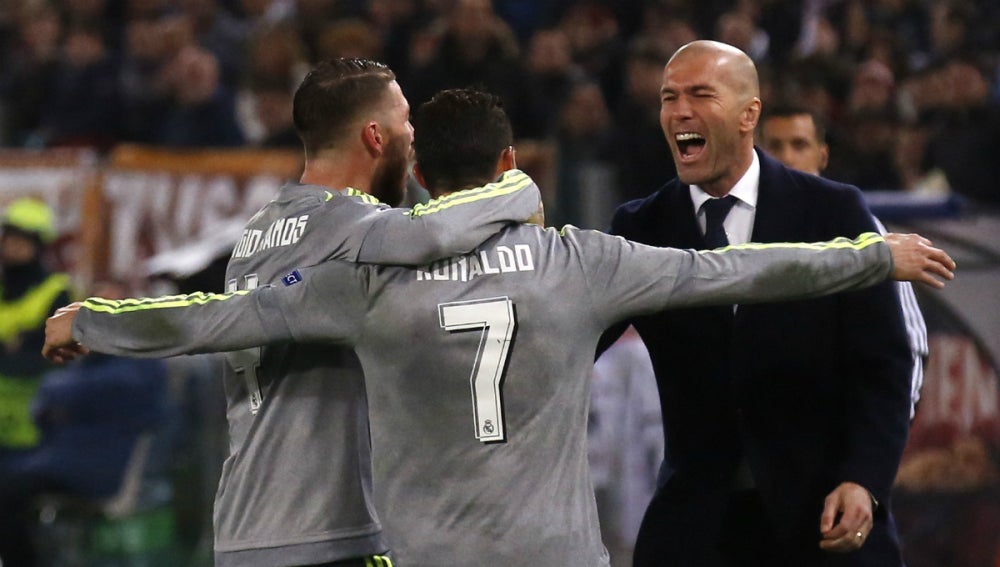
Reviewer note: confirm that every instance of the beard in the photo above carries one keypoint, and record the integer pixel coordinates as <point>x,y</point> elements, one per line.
<point>389,180</point>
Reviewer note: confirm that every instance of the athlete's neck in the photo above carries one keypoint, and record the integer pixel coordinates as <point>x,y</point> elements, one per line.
<point>338,170</point>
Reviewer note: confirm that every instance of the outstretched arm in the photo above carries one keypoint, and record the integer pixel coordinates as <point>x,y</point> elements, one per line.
<point>635,279</point>
<point>449,226</point>
<point>325,308</point>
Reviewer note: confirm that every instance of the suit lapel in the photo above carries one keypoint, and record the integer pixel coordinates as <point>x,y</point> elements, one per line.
<point>679,229</point>
<point>677,225</point>
<point>776,215</point>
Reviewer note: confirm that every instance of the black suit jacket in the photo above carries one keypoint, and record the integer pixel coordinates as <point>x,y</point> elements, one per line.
<point>811,393</point>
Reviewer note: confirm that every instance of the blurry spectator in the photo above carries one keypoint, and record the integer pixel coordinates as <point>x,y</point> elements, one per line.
<point>150,44</point>
<point>276,52</point>
<point>965,131</point>
<point>219,32</point>
<point>637,147</point>
<point>396,21</point>
<point>29,293</point>
<point>146,9</point>
<point>84,99</point>
<point>551,74</point>
<point>737,27</point>
<point>872,88</point>
<point>584,186</point>
<point>25,79</point>
<point>350,37</point>
<point>666,26</point>
<point>90,414</point>
<point>864,137</point>
<point>203,113</point>
<point>477,49</point>
<point>595,44</point>
<point>267,11</point>
<point>271,103</point>
<point>310,17</point>
<point>950,23</point>
<point>868,158</point>
<point>104,15</point>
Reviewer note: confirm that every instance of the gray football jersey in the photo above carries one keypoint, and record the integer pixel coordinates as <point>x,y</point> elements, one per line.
<point>296,486</point>
<point>477,367</point>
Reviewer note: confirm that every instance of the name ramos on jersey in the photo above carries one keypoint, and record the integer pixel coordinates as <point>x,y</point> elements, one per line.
<point>282,232</point>
<point>499,260</point>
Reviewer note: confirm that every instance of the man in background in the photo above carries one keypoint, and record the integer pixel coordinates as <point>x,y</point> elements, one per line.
<point>797,137</point>
<point>29,293</point>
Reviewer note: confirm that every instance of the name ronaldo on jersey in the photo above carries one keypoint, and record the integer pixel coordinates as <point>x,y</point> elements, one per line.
<point>499,260</point>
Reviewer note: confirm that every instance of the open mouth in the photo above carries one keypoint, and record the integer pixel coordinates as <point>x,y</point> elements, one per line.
<point>689,145</point>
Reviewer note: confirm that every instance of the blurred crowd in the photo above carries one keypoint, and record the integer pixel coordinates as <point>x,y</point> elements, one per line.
<point>909,88</point>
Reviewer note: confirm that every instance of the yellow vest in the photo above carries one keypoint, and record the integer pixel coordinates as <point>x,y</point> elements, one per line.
<point>26,313</point>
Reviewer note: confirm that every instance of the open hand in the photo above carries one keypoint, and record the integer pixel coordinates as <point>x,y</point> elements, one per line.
<point>916,260</point>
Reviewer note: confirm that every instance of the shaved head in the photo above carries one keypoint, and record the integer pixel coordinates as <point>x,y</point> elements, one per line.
<point>709,107</point>
<point>735,67</point>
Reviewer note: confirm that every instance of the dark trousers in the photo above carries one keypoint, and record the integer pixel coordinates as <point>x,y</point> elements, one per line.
<point>728,530</point>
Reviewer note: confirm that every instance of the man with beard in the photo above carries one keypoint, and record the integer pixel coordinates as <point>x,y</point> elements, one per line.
<point>478,378</point>
<point>296,486</point>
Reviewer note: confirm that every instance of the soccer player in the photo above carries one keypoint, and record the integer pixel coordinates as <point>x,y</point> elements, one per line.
<point>296,486</point>
<point>477,367</point>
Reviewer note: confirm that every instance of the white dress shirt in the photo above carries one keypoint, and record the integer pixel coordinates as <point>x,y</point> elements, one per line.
<point>739,222</point>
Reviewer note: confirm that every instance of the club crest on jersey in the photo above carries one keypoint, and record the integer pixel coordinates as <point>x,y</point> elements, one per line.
<point>499,260</point>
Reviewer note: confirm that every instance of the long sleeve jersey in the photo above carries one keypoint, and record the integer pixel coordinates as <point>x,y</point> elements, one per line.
<point>296,486</point>
<point>478,366</point>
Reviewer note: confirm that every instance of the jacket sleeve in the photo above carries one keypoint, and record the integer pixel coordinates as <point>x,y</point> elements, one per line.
<point>877,369</point>
<point>631,279</point>
<point>325,306</point>
<point>448,226</point>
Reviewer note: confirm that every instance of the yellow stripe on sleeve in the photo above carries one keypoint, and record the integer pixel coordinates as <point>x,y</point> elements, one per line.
<point>860,243</point>
<point>352,192</point>
<point>511,182</point>
<point>118,306</point>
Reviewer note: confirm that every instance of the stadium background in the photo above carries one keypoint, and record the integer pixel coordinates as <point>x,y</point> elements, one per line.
<point>154,128</point>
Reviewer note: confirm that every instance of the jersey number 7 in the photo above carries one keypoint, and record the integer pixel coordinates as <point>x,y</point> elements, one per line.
<point>495,317</point>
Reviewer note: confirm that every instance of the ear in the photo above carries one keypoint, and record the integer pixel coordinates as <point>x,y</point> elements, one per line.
<point>506,162</point>
<point>373,139</point>
<point>750,116</point>
<point>824,156</point>
<point>419,175</point>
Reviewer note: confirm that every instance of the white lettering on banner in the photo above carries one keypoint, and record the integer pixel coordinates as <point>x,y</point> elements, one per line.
<point>960,387</point>
<point>495,261</point>
<point>154,212</point>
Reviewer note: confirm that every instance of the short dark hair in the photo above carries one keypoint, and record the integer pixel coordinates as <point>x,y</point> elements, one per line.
<point>332,95</point>
<point>790,111</point>
<point>458,137</point>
